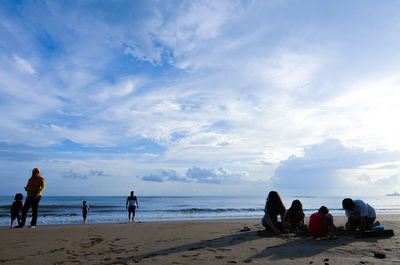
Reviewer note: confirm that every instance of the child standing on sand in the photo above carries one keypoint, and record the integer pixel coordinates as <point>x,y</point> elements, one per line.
<point>321,224</point>
<point>85,210</point>
<point>16,209</point>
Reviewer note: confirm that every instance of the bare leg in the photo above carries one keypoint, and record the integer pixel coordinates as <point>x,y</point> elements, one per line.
<point>332,227</point>
<point>271,225</point>
<point>12,224</point>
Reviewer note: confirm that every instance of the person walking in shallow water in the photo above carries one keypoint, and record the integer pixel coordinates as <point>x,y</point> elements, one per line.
<point>131,203</point>
<point>34,188</point>
<point>85,210</point>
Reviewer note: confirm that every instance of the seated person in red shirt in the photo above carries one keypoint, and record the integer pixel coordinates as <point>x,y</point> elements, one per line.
<point>321,224</point>
<point>295,216</point>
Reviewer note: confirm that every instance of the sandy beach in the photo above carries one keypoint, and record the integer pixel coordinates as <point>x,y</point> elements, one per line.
<point>193,242</point>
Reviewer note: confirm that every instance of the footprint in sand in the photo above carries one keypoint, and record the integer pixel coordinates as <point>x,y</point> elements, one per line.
<point>96,240</point>
<point>224,249</point>
<point>56,249</point>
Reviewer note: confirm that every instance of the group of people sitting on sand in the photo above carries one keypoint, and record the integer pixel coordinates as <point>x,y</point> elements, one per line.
<point>360,215</point>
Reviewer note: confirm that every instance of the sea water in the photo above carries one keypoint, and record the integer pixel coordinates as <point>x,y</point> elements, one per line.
<point>55,210</point>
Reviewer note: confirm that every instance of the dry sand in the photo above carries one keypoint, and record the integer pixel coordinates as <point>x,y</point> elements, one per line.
<point>194,242</point>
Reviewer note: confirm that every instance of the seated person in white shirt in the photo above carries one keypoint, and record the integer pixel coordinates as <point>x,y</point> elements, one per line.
<point>360,215</point>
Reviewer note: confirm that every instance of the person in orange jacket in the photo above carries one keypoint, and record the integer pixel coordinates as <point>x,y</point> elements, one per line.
<point>34,189</point>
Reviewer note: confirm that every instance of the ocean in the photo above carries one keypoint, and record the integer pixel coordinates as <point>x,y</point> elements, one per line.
<point>55,210</point>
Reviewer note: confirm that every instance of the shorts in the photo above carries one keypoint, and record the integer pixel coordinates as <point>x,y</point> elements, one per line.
<point>355,223</point>
<point>84,214</point>
<point>15,216</point>
<point>327,222</point>
<point>132,208</point>
<point>278,225</point>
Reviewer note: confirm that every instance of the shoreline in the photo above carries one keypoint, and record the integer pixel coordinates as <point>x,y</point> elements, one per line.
<point>190,242</point>
<point>388,216</point>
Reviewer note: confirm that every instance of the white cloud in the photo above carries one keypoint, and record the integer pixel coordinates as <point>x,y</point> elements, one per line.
<point>331,168</point>
<point>121,89</point>
<point>368,111</point>
<point>227,84</point>
<point>24,66</point>
<point>288,70</point>
<point>198,175</point>
<point>176,33</point>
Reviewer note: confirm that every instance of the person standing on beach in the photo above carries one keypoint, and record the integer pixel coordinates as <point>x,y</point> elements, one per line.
<point>34,190</point>
<point>16,209</point>
<point>85,210</point>
<point>131,203</point>
<point>360,215</point>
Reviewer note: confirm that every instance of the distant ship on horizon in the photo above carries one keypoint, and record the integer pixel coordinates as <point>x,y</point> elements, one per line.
<point>393,194</point>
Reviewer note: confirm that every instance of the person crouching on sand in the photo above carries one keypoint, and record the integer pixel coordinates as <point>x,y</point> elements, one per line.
<point>321,224</point>
<point>360,215</point>
<point>34,190</point>
<point>274,207</point>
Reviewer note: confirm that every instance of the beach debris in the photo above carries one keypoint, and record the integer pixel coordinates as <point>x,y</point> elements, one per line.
<point>379,255</point>
<point>326,259</point>
<point>376,233</point>
<point>245,229</point>
<point>311,262</point>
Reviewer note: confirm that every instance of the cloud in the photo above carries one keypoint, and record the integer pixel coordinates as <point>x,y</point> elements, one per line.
<point>99,173</point>
<point>70,174</point>
<point>165,176</point>
<point>173,34</point>
<point>24,65</point>
<point>322,165</point>
<point>197,175</point>
<point>121,89</point>
<point>288,70</point>
<point>246,88</point>
<point>73,175</point>
<point>21,152</point>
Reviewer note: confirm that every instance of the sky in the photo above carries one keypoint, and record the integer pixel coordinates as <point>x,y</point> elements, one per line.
<point>200,97</point>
